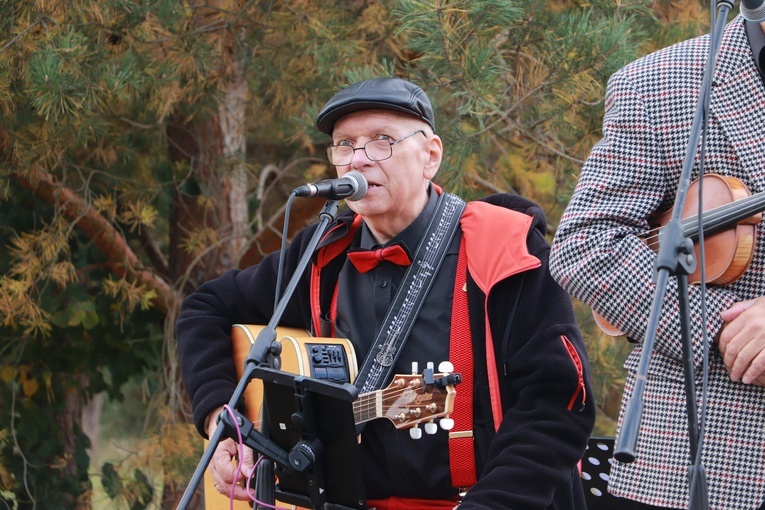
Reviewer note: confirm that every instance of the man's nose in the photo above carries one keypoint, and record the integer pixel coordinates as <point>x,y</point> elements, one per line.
<point>360,157</point>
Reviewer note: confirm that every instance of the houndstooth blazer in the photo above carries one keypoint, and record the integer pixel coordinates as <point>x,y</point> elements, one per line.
<point>600,257</point>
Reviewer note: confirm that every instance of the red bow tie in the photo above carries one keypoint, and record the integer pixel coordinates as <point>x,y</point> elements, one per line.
<point>366,260</point>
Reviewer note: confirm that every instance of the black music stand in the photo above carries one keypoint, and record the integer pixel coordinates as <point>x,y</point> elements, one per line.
<point>313,420</point>
<point>596,473</point>
<point>315,404</point>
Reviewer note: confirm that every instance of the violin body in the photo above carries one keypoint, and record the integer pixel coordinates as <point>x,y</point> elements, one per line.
<point>731,216</point>
<point>729,251</point>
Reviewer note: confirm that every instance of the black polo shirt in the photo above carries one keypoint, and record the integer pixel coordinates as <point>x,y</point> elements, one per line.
<point>393,462</point>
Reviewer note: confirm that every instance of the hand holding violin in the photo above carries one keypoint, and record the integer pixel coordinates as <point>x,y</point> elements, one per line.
<point>742,341</point>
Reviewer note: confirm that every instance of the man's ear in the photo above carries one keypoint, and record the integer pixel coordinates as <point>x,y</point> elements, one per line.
<point>435,153</point>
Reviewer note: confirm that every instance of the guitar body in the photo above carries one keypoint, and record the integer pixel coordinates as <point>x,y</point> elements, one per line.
<point>302,355</point>
<point>407,402</point>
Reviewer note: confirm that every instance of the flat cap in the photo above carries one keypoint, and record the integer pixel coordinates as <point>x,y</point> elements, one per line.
<point>376,94</point>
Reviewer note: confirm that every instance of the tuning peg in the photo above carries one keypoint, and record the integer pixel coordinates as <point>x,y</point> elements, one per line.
<point>415,432</point>
<point>431,428</point>
<point>445,367</point>
<point>446,423</point>
<point>415,367</point>
<point>427,376</point>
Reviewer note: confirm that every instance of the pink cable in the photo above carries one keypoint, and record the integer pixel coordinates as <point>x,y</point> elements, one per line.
<point>240,447</point>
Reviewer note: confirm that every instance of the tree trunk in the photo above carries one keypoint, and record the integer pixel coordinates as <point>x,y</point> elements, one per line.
<point>91,422</point>
<point>69,428</point>
<point>213,198</point>
<point>172,493</point>
<point>211,203</point>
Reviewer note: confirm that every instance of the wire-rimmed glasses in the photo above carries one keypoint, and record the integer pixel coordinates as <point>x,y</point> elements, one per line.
<point>376,150</point>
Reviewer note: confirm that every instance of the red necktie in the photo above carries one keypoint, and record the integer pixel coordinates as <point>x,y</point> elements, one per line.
<point>366,260</point>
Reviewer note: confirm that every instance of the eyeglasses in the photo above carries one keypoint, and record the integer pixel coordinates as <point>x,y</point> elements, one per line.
<point>376,150</point>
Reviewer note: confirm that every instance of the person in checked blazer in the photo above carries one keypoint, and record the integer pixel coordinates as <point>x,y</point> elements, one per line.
<point>600,256</point>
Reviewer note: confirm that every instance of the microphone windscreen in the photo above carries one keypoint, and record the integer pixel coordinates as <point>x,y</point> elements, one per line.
<point>361,185</point>
<point>753,10</point>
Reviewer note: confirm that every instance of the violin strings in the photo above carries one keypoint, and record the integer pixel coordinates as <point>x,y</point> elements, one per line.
<point>722,213</point>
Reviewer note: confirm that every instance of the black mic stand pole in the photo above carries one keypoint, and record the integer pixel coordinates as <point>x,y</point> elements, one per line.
<point>263,350</point>
<point>676,256</point>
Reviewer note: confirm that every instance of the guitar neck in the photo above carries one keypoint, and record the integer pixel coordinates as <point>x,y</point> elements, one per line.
<point>405,402</point>
<point>368,407</point>
<point>724,216</point>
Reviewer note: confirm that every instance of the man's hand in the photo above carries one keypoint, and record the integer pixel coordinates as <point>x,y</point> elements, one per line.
<point>221,466</point>
<point>742,341</point>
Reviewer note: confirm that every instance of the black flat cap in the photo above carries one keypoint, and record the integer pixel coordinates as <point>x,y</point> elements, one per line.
<point>376,94</point>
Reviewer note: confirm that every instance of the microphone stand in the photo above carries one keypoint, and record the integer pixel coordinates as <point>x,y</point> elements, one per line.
<point>262,352</point>
<point>676,257</point>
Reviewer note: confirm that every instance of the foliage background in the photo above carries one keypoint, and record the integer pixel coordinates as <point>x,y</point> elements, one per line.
<point>147,146</point>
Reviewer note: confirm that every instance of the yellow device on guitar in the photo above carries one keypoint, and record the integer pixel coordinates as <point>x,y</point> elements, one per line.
<point>406,402</point>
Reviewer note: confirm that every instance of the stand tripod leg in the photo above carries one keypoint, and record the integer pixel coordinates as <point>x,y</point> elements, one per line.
<point>696,473</point>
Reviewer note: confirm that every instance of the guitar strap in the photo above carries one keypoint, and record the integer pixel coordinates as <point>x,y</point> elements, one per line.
<point>415,286</point>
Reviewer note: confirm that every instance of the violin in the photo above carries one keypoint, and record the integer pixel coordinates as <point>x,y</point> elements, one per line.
<point>729,221</point>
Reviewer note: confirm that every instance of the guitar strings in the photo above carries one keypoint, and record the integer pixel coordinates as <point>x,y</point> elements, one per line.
<point>368,402</point>
<point>368,406</point>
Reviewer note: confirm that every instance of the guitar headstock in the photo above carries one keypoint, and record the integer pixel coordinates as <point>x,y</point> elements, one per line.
<point>411,399</point>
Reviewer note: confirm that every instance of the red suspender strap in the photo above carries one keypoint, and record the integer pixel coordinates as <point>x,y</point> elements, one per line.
<point>324,256</point>
<point>315,306</point>
<point>461,449</point>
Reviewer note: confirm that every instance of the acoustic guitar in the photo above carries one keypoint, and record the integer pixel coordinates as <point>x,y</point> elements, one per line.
<point>407,401</point>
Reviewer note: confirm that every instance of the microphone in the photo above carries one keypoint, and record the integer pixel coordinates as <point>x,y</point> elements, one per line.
<point>753,10</point>
<point>352,186</point>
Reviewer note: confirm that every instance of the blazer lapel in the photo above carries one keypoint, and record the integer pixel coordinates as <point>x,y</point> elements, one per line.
<point>738,102</point>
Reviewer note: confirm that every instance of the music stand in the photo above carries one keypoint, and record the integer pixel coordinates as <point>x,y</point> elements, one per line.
<point>596,473</point>
<point>265,350</point>
<point>313,420</point>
